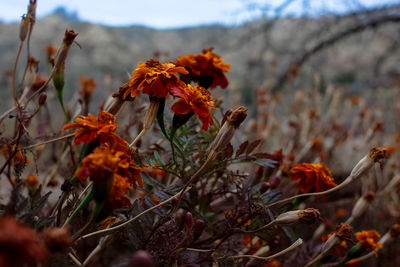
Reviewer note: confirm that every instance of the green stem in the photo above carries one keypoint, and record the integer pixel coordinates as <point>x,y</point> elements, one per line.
<point>89,197</point>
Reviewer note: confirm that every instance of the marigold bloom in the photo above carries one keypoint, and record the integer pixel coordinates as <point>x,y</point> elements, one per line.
<point>311,176</point>
<point>273,263</point>
<point>104,160</point>
<point>50,50</point>
<point>32,181</point>
<point>87,88</point>
<point>101,128</point>
<point>369,239</point>
<point>19,156</point>
<point>153,170</point>
<point>194,98</point>
<point>20,245</point>
<point>155,78</point>
<point>207,68</point>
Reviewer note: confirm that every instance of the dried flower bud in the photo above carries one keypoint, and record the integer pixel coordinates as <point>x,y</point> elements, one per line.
<point>375,155</point>
<point>141,258</point>
<point>57,239</point>
<point>32,10</point>
<point>361,205</point>
<point>344,232</point>
<point>395,231</point>
<point>31,72</point>
<point>69,38</point>
<point>237,117</point>
<point>227,131</point>
<point>151,112</point>
<point>42,98</point>
<point>198,228</point>
<point>24,28</point>
<point>309,215</point>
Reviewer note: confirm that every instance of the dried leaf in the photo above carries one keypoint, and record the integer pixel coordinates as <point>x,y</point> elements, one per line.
<point>227,152</point>
<point>242,148</point>
<point>252,146</point>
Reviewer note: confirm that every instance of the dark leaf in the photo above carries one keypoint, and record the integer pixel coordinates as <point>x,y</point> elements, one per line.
<point>227,152</point>
<point>242,148</point>
<point>252,146</point>
<point>271,196</point>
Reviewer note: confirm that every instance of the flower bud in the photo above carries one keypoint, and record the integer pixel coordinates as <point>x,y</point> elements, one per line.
<point>42,98</point>
<point>309,215</point>
<point>31,71</point>
<point>375,155</point>
<point>188,221</point>
<point>198,228</point>
<point>151,112</point>
<point>227,131</point>
<point>62,53</point>
<point>362,204</point>
<point>141,258</point>
<point>24,28</point>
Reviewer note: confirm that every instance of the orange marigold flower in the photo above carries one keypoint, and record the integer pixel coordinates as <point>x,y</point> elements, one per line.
<point>194,98</point>
<point>369,239</point>
<point>87,88</point>
<point>105,160</point>
<point>207,68</point>
<point>155,78</point>
<point>153,171</point>
<point>50,50</point>
<point>32,181</point>
<point>20,245</point>
<point>311,176</point>
<point>18,157</point>
<point>273,263</point>
<point>101,128</point>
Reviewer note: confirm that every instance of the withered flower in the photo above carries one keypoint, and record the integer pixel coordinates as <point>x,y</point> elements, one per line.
<point>207,68</point>
<point>194,98</point>
<point>233,119</point>
<point>312,176</point>
<point>156,79</point>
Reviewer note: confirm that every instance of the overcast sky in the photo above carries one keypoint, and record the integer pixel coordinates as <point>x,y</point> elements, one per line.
<point>172,13</point>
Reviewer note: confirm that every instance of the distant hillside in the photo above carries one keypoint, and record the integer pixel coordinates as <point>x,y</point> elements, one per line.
<point>249,50</point>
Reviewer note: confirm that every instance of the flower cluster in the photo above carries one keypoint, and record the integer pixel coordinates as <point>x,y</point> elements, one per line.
<point>369,239</point>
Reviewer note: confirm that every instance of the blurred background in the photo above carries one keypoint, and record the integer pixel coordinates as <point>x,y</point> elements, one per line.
<point>354,43</point>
